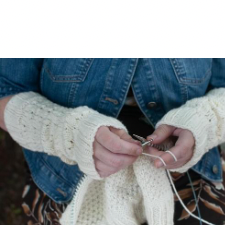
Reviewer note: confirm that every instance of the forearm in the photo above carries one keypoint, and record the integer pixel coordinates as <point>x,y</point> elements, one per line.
<point>3,103</point>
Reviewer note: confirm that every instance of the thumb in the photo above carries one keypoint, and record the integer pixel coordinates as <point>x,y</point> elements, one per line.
<point>161,133</point>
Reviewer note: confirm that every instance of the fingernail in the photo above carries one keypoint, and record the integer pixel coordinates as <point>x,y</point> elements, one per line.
<point>152,136</point>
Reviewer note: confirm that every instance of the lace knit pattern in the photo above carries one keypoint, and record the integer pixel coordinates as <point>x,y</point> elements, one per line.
<point>151,197</point>
<point>132,196</point>
<point>40,125</point>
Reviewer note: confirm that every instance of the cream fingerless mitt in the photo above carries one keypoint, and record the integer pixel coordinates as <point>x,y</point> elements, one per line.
<point>40,125</point>
<point>205,118</point>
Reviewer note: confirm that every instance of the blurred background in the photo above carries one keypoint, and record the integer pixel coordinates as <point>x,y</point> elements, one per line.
<point>12,180</point>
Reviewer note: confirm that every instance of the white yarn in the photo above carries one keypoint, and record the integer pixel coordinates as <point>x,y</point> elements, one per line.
<point>204,117</point>
<point>132,196</point>
<point>179,198</point>
<point>182,203</point>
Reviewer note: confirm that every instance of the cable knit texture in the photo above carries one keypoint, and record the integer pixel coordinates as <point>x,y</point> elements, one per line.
<point>40,125</point>
<point>132,196</point>
<point>142,192</point>
<point>205,118</point>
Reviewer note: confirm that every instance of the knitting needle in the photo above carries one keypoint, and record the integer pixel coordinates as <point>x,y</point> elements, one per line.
<point>144,143</point>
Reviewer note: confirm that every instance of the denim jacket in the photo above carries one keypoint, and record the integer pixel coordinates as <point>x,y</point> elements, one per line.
<point>159,85</point>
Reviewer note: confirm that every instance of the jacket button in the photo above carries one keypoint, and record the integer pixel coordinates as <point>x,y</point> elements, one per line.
<point>215,169</point>
<point>152,105</point>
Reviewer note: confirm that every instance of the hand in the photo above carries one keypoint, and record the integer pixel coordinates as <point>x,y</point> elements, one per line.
<point>183,148</point>
<point>114,150</point>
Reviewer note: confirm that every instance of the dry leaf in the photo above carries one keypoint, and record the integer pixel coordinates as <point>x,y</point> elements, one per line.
<point>30,222</point>
<point>55,206</point>
<point>40,207</point>
<point>212,195</point>
<point>212,206</point>
<point>209,191</point>
<point>25,190</point>
<point>176,176</point>
<point>195,183</point>
<point>37,196</point>
<point>184,193</point>
<point>26,209</point>
<point>191,206</point>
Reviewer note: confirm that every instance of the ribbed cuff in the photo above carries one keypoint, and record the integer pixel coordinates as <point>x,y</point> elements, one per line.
<point>160,214</point>
<point>87,130</point>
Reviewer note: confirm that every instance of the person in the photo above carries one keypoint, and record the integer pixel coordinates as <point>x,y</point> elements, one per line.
<point>74,119</point>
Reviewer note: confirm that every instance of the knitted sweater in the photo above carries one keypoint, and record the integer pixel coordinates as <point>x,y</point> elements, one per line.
<point>134,195</point>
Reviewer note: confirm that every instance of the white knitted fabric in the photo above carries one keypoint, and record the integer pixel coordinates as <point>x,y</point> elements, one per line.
<point>156,192</point>
<point>134,195</point>
<point>40,125</point>
<point>205,118</point>
<point>119,200</point>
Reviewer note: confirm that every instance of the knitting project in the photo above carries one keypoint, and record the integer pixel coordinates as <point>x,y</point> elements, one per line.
<point>132,196</point>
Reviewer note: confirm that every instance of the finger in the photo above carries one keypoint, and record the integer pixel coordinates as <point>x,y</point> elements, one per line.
<point>177,131</point>
<point>113,143</point>
<point>124,135</point>
<point>154,154</point>
<point>118,161</point>
<point>161,133</point>
<point>103,169</point>
<point>168,158</point>
<point>186,139</point>
<point>153,151</point>
<point>121,133</point>
<point>182,150</point>
<point>165,160</point>
<point>182,155</point>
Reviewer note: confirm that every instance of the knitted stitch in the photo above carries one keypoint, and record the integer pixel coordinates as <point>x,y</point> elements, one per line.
<point>156,192</point>
<point>40,125</point>
<point>134,195</point>
<point>205,118</point>
<point>130,197</point>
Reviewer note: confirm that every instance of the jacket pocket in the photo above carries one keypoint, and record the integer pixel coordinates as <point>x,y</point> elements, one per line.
<point>191,71</point>
<point>67,70</point>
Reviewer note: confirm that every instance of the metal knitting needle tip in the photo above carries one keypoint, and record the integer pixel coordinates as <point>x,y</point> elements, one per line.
<point>146,143</point>
<point>139,138</point>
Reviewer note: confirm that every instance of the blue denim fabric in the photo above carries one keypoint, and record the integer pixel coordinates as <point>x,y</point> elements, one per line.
<point>102,84</point>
